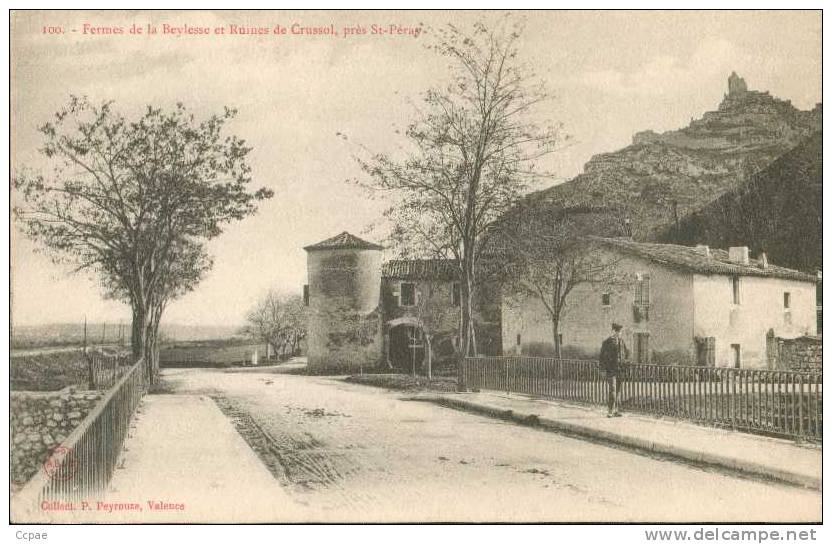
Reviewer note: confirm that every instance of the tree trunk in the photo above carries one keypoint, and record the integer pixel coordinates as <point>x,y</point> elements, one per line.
<point>468,337</point>
<point>138,338</point>
<point>468,316</point>
<point>143,340</point>
<point>136,332</point>
<point>556,337</point>
<point>151,351</point>
<point>430,356</point>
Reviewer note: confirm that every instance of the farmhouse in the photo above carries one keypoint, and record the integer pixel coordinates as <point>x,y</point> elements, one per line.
<point>682,305</point>
<point>679,305</point>
<point>363,313</point>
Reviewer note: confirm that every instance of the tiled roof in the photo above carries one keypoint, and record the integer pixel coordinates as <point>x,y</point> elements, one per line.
<point>421,269</point>
<point>345,240</point>
<point>695,260</point>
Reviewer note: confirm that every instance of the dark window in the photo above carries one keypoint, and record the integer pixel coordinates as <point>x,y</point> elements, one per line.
<point>518,339</point>
<point>736,353</point>
<point>605,299</point>
<point>735,288</point>
<point>641,302</point>
<point>643,291</point>
<point>787,300</point>
<point>456,295</point>
<point>706,351</point>
<point>407,296</point>
<point>642,345</point>
<point>306,295</point>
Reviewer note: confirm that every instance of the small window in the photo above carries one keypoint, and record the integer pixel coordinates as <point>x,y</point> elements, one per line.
<point>642,294</point>
<point>736,354</point>
<point>642,345</point>
<point>456,295</point>
<point>735,288</point>
<point>706,352</point>
<point>641,301</point>
<point>787,300</point>
<point>605,299</point>
<point>306,295</point>
<point>407,294</point>
<point>518,339</point>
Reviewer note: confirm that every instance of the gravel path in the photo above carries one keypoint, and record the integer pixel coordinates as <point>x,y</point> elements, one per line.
<point>358,453</point>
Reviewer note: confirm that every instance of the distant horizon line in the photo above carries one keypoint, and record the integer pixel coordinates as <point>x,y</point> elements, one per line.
<point>109,322</point>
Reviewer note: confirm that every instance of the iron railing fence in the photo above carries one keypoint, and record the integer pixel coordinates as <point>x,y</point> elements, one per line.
<point>81,467</point>
<point>105,368</point>
<point>774,402</point>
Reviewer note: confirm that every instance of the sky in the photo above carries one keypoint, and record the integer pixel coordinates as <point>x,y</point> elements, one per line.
<point>610,74</point>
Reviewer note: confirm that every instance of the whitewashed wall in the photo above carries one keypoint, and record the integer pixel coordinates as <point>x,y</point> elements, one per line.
<point>585,322</point>
<point>746,324</point>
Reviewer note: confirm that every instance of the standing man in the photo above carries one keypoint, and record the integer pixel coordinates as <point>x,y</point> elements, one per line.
<point>614,355</point>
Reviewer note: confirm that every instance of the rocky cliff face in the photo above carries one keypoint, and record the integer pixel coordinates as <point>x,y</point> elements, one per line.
<point>662,177</point>
<point>778,210</point>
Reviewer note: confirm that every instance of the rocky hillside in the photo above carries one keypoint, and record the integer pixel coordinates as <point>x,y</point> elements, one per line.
<point>778,210</point>
<point>661,178</point>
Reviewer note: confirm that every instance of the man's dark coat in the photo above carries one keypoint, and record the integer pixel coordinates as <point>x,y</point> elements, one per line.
<point>613,354</point>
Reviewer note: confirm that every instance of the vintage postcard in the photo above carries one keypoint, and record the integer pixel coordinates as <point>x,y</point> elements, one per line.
<point>416,267</point>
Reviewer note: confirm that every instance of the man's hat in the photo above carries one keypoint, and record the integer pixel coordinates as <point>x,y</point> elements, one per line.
<point>616,327</point>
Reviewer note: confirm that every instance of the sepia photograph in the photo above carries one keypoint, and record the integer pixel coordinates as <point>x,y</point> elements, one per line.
<point>416,267</point>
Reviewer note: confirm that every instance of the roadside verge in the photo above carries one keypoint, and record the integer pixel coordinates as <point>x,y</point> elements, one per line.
<point>757,456</point>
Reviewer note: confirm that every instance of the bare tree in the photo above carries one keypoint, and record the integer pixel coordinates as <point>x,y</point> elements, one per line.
<point>473,150</point>
<point>134,200</point>
<point>545,253</point>
<point>435,315</point>
<point>277,320</point>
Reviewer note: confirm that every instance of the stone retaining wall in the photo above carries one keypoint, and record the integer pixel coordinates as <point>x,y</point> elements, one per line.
<point>39,422</point>
<point>804,354</point>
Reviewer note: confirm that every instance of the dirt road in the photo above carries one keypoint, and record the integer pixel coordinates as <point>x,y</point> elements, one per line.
<point>357,453</point>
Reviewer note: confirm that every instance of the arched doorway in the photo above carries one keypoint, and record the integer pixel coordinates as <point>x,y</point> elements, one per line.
<point>406,347</point>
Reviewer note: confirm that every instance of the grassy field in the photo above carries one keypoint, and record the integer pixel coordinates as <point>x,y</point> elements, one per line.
<point>54,370</point>
<point>48,371</point>
<point>210,353</point>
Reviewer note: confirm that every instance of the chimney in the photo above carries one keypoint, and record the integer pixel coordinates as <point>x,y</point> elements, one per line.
<point>738,255</point>
<point>704,250</point>
<point>763,260</point>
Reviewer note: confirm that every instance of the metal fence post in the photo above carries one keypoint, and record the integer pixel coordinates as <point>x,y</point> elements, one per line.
<point>800,432</point>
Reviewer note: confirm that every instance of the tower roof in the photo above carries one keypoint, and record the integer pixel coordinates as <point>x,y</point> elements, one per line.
<point>345,240</point>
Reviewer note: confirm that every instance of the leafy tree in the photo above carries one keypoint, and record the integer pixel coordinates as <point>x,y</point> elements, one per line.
<point>279,321</point>
<point>473,149</point>
<point>134,201</point>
